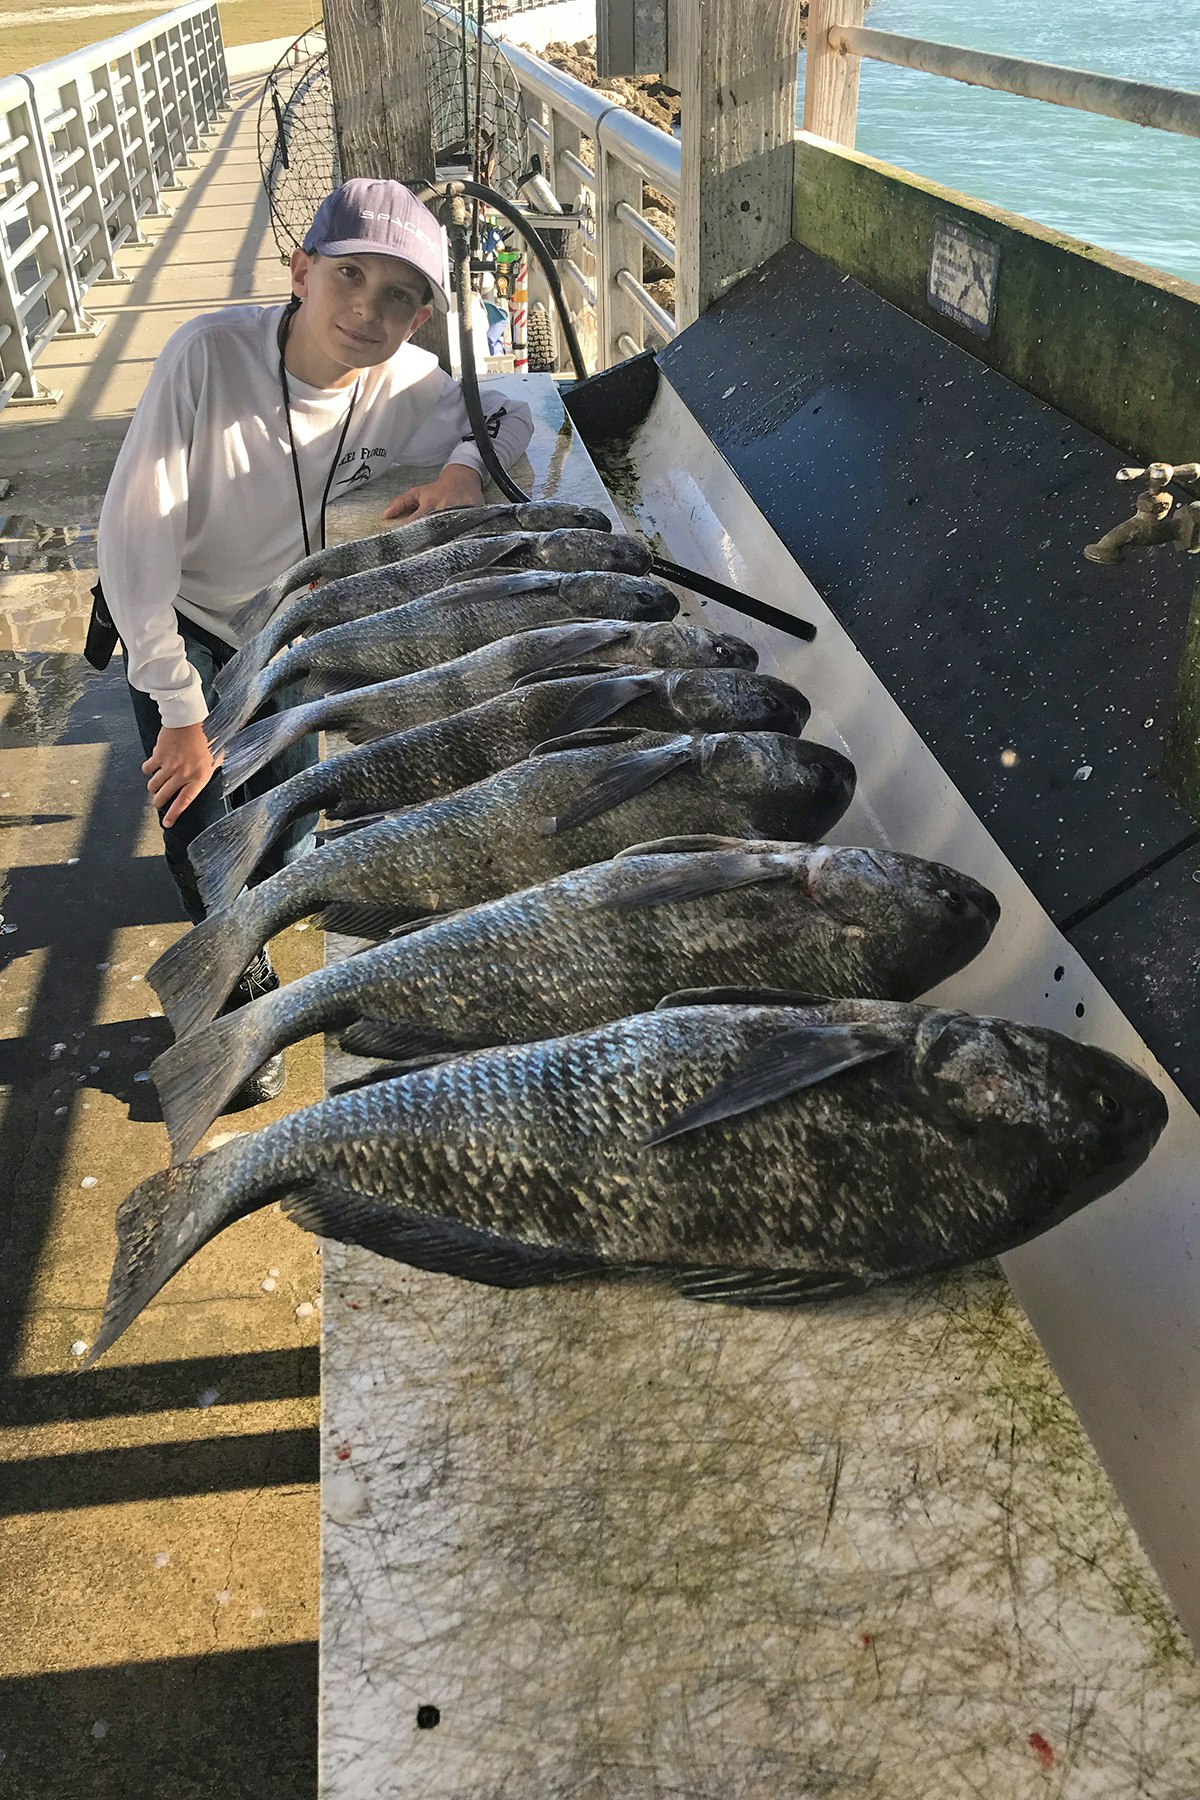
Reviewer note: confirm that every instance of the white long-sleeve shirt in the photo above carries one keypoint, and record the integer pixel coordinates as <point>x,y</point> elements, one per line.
<point>201,511</point>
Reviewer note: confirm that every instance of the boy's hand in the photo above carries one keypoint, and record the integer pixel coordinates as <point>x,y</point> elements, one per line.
<point>455,486</point>
<point>180,767</point>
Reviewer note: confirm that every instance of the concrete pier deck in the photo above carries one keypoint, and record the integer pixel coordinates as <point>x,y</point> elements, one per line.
<point>158,1520</point>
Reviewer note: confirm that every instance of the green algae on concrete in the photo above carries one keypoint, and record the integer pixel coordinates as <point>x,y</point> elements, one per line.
<point>1109,342</point>
<point>1181,743</point>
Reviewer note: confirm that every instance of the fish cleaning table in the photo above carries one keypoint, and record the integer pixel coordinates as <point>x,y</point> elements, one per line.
<point>606,1544</point>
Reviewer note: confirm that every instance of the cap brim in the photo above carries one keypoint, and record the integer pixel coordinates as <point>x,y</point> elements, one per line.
<point>364,247</point>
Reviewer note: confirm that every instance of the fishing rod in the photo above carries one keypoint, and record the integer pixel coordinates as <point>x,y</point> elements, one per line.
<point>458,231</point>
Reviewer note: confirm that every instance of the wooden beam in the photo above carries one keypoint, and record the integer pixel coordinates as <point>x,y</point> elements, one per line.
<point>831,77</point>
<point>737,68</point>
<point>379,78</point>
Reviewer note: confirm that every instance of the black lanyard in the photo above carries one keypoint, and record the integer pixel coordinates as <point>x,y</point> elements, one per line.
<point>285,326</point>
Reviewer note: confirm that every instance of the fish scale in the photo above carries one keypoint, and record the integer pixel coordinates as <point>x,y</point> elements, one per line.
<point>537,819</point>
<point>749,1153</point>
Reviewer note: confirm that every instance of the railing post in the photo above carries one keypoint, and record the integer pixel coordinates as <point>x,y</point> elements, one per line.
<point>131,68</point>
<point>535,145</point>
<point>830,76</point>
<point>114,112</point>
<point>617,247</point>
<point>90,211</point>
<point>565,137</point>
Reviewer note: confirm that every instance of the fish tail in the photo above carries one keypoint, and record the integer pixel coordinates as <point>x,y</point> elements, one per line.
<point>254,655</point>
<point>200,1073</point>
<point>242,700</point>
<point>227,854</point>
<point>196,975</point>
<point>260,743</point>
<point>160,1225</point>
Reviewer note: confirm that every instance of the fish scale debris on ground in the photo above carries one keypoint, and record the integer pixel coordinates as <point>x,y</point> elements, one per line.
<point>438,628</point>
<point>598,943</point>
<point>452,687</point>
<point>407,767</point>
<point>742,1153</point>
<point>577,804</point>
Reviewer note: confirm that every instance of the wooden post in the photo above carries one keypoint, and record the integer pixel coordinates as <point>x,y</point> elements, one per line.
<point>737,68</point>
<point>380,83</point>
<point>830,76</point>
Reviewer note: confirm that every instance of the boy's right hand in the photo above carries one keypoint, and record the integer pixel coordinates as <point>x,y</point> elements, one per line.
<point>180,767</point>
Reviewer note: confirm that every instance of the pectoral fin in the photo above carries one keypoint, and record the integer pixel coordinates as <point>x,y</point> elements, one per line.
<point>623,780</point>
<point>693,878</point>
<point>783,1065</point>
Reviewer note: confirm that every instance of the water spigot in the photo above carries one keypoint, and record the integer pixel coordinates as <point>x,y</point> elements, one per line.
<point>1157,520</point>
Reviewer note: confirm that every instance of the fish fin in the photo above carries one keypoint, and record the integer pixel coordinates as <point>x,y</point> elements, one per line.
<point>623,780</point>
<point>763,1287</point>
<point>782,1065</point>
<point>226,854</point>
<point>562,672</point>
<point>200,1073</point>
<point>320,683</point>
<point>738,996</point>
<point>427,1241</point>
<point>196,974</point>
<point>380,1071</point>
<point>693,879</point>
<point>160,1226</point>
<point>331,833</point>
<point>683,846</point>
<point>256,745</point>
<point>606,695</point>
<point>237,706</point>
<point>599,737</point>
<point>401,1039</point>
<point>349,919</point>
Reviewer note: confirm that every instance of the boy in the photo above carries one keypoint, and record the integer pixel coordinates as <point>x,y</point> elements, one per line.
<point>254,417</point>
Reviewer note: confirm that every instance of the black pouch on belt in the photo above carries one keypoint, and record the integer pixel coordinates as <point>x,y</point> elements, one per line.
<point>101,638</point>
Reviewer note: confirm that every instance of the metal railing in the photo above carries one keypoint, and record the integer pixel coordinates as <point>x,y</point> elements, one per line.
<point>838,41</point>
<point>88,144</point>
<point>594,158</point>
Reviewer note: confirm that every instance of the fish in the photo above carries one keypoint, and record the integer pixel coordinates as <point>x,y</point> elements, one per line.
<point>575,802</point>
<point>447,688</point>
<point>412,539</point>
<point>739,1153</point>
<point>430,760</point>
<point>438,628</point>
<point>597,944</point>
<point>378,590</point>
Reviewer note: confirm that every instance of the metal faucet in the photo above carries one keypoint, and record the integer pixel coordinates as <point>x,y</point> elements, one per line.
<point>1157,520</point>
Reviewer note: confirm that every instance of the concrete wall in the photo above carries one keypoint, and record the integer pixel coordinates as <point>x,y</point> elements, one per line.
<point>1109,342</point>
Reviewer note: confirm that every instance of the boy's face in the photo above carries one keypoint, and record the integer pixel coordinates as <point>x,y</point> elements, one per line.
<point>358,310</point>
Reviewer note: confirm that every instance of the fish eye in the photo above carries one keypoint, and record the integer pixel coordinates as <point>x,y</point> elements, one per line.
<point>954,902</point>
<point>1107,1105</point>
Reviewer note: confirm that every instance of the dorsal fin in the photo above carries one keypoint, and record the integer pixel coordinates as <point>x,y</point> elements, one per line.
<point>599,737</point>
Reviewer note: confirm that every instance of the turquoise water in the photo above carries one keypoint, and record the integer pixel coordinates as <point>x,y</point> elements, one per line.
<point>1120,186</point>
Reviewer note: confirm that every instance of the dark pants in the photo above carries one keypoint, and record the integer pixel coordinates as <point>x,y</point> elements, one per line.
<point>207,654</point>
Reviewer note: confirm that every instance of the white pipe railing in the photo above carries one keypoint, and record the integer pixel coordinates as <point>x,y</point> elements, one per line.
<point>594,157</point>
<point>88,143</point>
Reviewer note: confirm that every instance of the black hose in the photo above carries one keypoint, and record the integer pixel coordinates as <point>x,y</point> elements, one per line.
<point>460,252</point>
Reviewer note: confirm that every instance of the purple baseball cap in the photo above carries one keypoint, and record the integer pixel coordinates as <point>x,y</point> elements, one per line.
<point>381,218</point>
